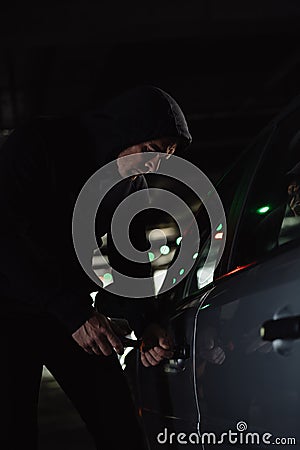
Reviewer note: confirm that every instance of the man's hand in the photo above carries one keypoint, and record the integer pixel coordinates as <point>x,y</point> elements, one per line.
<point>97,336</point>
<point>157,345</point>
<point>208,347</point>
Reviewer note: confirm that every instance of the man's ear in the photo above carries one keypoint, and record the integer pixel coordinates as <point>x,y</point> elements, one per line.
<point>170,150</point>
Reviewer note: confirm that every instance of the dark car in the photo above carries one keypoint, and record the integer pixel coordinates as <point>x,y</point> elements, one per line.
<point>235,376</point>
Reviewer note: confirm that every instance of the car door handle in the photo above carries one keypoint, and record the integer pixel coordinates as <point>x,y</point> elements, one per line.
<point>176,364</point>
<point>283,328</point>
<point>181,352</point>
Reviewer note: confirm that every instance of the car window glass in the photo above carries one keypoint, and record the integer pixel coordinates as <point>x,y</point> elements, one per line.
<point>236,177</point>
<point>271,217</point>
<point>195,283</point>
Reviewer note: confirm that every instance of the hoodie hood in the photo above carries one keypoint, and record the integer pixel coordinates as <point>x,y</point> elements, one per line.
<point>138,115</point>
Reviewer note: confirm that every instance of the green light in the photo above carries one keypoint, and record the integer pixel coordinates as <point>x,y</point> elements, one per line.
<point>181,272</point>
<point>262,332</point>
<point>164,249</point>
<point>178,240</point>
<point>205,306</point>
<point>219,228</point>
<point>107,277</point>
<point>195,255</point>
<point>151,256</point>
<point>263,210</point>
<point>174,280</point>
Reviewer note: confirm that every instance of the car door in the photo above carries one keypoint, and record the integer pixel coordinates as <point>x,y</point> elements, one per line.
<point>247,352</point>
<point>167,393</point>
<point>255,386</point>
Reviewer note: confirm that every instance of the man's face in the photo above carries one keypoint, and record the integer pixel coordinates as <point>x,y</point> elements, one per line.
<point>294,196</point>
<point>146,159</point>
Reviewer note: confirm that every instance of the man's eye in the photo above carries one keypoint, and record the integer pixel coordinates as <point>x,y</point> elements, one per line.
<point>155,148</point>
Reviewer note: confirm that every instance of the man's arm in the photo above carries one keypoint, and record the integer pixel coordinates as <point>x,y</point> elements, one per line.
<point>138,311</point>
<point>141,313</point>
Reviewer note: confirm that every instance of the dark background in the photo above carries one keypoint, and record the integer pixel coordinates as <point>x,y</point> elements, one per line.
<point>230,64</point>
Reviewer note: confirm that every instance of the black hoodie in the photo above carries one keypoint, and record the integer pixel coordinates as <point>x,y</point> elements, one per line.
<point>43,166</point>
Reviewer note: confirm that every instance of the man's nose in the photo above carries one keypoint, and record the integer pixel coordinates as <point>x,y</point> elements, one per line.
<point>153,164</point>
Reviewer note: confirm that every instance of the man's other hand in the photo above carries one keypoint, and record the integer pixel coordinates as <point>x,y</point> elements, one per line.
<point>157,345</point>
<point>96,336</point>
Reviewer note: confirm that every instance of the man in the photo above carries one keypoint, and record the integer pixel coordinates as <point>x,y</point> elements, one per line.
<point>47,315</point>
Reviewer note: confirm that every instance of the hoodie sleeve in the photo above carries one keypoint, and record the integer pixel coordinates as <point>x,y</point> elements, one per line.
<point>138,311</point>
<point>30,272</point>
